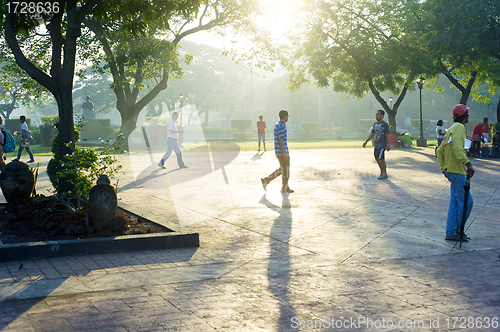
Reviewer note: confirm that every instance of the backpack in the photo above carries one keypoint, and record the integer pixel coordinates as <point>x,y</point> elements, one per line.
<point>9,143</point>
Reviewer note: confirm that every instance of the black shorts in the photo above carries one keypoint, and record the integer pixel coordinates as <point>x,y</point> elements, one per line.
<point>379,153</point>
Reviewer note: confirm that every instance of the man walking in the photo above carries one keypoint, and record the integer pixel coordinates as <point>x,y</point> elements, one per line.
<point>172,145</point>
<point>281,151</point>
<point>455,165</point>
<point>24,141</point>
<point>381,132</point>
<point>261,131</point>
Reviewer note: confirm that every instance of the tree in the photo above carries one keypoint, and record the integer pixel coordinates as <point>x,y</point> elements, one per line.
<point>17,88</point>
<point>57,51</point>
<point>150,58</point>
<point>464,38</point>
<point>358,47</point>
<point>212,82</point>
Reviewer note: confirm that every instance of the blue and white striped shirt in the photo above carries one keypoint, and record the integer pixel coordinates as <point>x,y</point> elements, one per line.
<point>280,132</point>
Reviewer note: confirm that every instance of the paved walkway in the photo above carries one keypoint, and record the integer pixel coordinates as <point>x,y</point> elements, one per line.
<point>345,251</point>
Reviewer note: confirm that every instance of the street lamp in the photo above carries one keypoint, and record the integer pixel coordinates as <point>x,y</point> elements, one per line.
<point>421,141</point>
<point>181,96</point>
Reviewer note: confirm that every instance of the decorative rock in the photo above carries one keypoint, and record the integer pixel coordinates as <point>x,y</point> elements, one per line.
<point>80,230</point>
<point>70,229</point>
<point>50,225</point>
<point>103,202</point>
<point>116,225</point>
<point>16,181</point>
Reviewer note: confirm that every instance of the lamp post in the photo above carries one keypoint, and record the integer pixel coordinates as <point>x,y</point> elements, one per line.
<point>182,97</point>
<point>421,141</point>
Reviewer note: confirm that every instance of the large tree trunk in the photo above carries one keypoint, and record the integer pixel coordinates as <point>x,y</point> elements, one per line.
<point>391,113</point>
<point>498,111</point>
<point>465,91</point>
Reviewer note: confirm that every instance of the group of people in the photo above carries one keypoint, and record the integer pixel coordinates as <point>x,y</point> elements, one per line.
<point>24,144</point>
<point>452,159</point>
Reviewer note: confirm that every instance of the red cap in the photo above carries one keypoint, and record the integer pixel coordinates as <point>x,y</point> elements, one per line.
<point>459,110</point>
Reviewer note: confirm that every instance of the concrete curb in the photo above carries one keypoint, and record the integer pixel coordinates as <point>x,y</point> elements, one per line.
<point>48,249</point>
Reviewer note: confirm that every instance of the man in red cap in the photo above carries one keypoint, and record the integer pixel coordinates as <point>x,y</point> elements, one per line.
<point>455,165</point>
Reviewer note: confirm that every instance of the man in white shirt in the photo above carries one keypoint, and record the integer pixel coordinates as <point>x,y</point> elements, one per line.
<point>172,145</point>
<point>23,133</point>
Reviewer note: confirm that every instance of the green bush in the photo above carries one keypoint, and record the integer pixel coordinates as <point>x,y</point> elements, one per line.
<point>366,123</point>
<point>86,165</point>
<point>416,134</point>
<point>309,126</point>
<point>217,130</point>
<point>241,125</point>
<point>307,135</point>
<point>416,123</point>
<point>495,128</point>
<point>339,130</point>
<point>242,135</point>
<point>49,119</point>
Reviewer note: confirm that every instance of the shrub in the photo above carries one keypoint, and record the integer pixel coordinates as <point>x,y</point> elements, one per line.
<point>366,123</point>
<point>49,119</point>
<point>495,128</point>
<point>416,123</point>
<point>309,126</point>
<point>86,165</point>
<point>241,125</point>
<point>242,135</point>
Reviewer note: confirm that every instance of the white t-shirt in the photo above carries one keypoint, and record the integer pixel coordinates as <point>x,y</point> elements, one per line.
<point>438,129</point>
<point>171,126</point>
<point>24,126</point>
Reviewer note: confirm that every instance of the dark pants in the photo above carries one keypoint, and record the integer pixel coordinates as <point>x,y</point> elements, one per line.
<point>284,171</point>
<point>476,147</point>
<point>20,151</point>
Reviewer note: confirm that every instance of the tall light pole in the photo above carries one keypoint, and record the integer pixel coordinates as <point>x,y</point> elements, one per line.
<point>182,97</point>
<point>390,106</point>
<point>421,141</point>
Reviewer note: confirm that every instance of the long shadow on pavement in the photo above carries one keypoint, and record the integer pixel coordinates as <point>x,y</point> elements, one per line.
<point>278,271</point>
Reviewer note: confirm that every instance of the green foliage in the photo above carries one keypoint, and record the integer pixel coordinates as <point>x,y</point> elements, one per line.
<point>416,134</point>
<point>85,165</point>
<point>416,123</point>
<point>339,130</point>
<point>309,126</point>
<point>242,135</point>
<point>495,128</point>
<point>241,125</point>
<point>366,123</point>
<point>49,119</point>
<point>217,130</point>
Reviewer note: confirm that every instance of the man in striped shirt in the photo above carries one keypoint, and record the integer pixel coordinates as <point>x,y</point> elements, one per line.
<point>281,151</point>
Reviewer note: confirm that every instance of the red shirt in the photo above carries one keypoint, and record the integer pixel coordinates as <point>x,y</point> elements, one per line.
<point>477,133</point>
<point>486,128</point>
<point>261,124</point>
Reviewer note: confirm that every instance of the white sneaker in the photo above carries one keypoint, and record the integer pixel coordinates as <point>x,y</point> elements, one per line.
<point>160,164</point>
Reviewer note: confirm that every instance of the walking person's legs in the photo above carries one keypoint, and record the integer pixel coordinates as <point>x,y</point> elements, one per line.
<point>285,174</point>
<point>19,152</point>
<point>178,153</point>
<point>380,158</point>
<point>456,205</point>
<point>30,154</point>
<point>170,148</point>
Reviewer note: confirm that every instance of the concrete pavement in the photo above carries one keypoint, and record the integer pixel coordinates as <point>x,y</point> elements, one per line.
<point>345,251</point>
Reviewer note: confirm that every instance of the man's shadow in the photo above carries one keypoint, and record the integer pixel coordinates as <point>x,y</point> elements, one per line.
<point>279,267</point>
<point>258,156</point>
